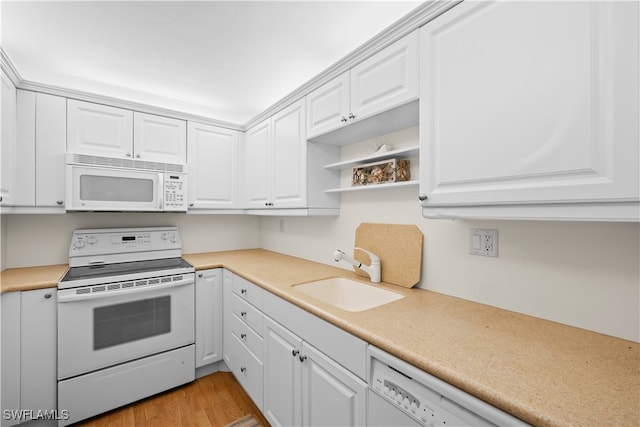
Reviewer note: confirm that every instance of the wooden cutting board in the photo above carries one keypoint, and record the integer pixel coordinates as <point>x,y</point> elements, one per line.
<point>399,247</point>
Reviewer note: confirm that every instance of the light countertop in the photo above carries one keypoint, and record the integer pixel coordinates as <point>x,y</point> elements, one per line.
<point>543,372</point>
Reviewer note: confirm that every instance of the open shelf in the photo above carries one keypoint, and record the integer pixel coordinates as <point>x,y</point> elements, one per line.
<point>374,187</point>
<point>399,153</point>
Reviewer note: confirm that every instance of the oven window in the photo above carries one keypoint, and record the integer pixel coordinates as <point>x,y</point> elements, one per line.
<point>115,189</point>
<point>131,321</point>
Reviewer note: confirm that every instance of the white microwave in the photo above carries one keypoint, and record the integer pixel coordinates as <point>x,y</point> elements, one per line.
<point>107,184</point>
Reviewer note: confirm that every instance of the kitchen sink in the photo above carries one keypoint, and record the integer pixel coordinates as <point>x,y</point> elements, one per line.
<point>347,294</point>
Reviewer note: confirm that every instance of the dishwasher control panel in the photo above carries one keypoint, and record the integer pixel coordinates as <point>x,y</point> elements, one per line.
<point>409,402</point>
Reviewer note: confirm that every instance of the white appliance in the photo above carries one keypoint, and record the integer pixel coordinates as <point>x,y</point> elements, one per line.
<point>94,183</point>
<point>402,395</point>
<point>126,319</point>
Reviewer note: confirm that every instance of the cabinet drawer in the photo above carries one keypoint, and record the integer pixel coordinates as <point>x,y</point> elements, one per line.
<point>248,336</point>
<point>248,370</point>
<point>247,313</point>
<point>248,291</point>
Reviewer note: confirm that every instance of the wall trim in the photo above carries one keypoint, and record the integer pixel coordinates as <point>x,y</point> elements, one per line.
<point>410,22</point>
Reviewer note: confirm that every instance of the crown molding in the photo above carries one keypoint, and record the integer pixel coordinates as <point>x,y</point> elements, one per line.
<point>9,69</point>
<point>415,19</point>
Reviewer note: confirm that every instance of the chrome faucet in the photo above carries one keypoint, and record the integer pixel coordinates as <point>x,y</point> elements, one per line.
<point>373,270</point>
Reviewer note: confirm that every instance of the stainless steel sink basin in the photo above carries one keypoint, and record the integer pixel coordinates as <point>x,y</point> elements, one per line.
<point>347,294</point>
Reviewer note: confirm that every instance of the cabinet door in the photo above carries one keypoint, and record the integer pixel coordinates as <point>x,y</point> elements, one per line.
<point>24,176</point>
<point>51,134</point>
<point>289,165</point>
<point>386,80</point>
<point>282,376</point>
<point>213,167</point>
<point>8,142</point>
<point>99,130</point>
<point>257,179</point>
<point>208,316</point>
<point>530,103</point>
<point>38,349</point>
<point>227,293</point>
<point>159,139</point>
<point>331,395</point>
<point>10,353</point>
<point>328,106</point>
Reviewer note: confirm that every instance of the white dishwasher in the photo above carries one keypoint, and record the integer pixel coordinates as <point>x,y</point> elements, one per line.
<point>402,395</point>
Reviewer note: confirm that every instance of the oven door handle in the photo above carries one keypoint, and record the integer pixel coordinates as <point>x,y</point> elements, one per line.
<point>69,295</point>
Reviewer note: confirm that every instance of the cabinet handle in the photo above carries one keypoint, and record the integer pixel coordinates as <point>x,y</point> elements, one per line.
<point>60,202</point>
<point>128,154</point>
<point>351,116</point>
<point>343,119</point>
<point>0,198</point>
<point>47,296</point>
<point>243,369</point>
<point>422,197</point>
<point>243,313</point>
<point>243,336</point>
<point>302,358</point>
<point>200,274</point>
<point>295,352</point>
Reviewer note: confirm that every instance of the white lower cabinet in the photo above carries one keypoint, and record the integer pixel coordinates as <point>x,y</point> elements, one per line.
<point>302,386</point>
<point>29,361</point>
<point>208,316</point>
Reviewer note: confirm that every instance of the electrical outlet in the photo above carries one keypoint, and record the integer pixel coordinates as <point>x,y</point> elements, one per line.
<point>483,241</point>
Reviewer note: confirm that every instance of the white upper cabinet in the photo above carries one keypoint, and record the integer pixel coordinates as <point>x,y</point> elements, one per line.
<point>276,161</point>
<point>51,134</point>
<point>8,143</point>
<point>386,80</point>
<point>530,110</point>
<point>213,167</point>
<point>328,106</point>
<point>99,130</point>
<point>102,130</point>
<point>159,139</point>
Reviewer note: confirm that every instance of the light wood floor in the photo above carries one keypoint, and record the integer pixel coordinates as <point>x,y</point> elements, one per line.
<point>213,400</point>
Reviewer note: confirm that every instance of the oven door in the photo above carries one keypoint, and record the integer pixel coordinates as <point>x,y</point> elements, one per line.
<point>108,327</point>
<point>111,189</point>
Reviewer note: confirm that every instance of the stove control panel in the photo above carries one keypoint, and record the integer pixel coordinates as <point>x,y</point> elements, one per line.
<point>105,243</point>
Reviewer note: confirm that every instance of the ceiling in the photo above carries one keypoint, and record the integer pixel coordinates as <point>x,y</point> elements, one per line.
<point>226,60</point>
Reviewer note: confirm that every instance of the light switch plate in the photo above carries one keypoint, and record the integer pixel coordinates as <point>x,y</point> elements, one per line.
<point>483,241</point>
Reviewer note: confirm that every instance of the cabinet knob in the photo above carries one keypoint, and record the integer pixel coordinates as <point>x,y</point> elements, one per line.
<point>60,202</point>
<point>0,198</point>
<point>243,369</point>
<point>128,154</point>
<point>295,352</point>
<point>302,358</point>
<point>243,336</point>
<point>343,119</point>
<point>47,296</point>
<point>243,291</point>
<point>423,197</point>
<point>200,274</point>
<point>137,156</point>
<point>190,205</point>
<point>351,116</point>
<point>243,313</point>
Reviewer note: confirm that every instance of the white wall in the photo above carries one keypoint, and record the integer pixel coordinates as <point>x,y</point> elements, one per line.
<point>584,274</point>
<point>44,239</point>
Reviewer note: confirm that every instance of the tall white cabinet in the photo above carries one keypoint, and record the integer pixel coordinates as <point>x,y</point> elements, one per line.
<point>213,167</point>
<point>530,110</point>
<point>8,142</point>
<point>208,316</point>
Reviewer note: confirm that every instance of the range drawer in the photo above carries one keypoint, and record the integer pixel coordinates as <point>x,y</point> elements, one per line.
<point>248,370</point>
<point>248,291</point>
<point>247,313</point>
<point>247,335</point>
